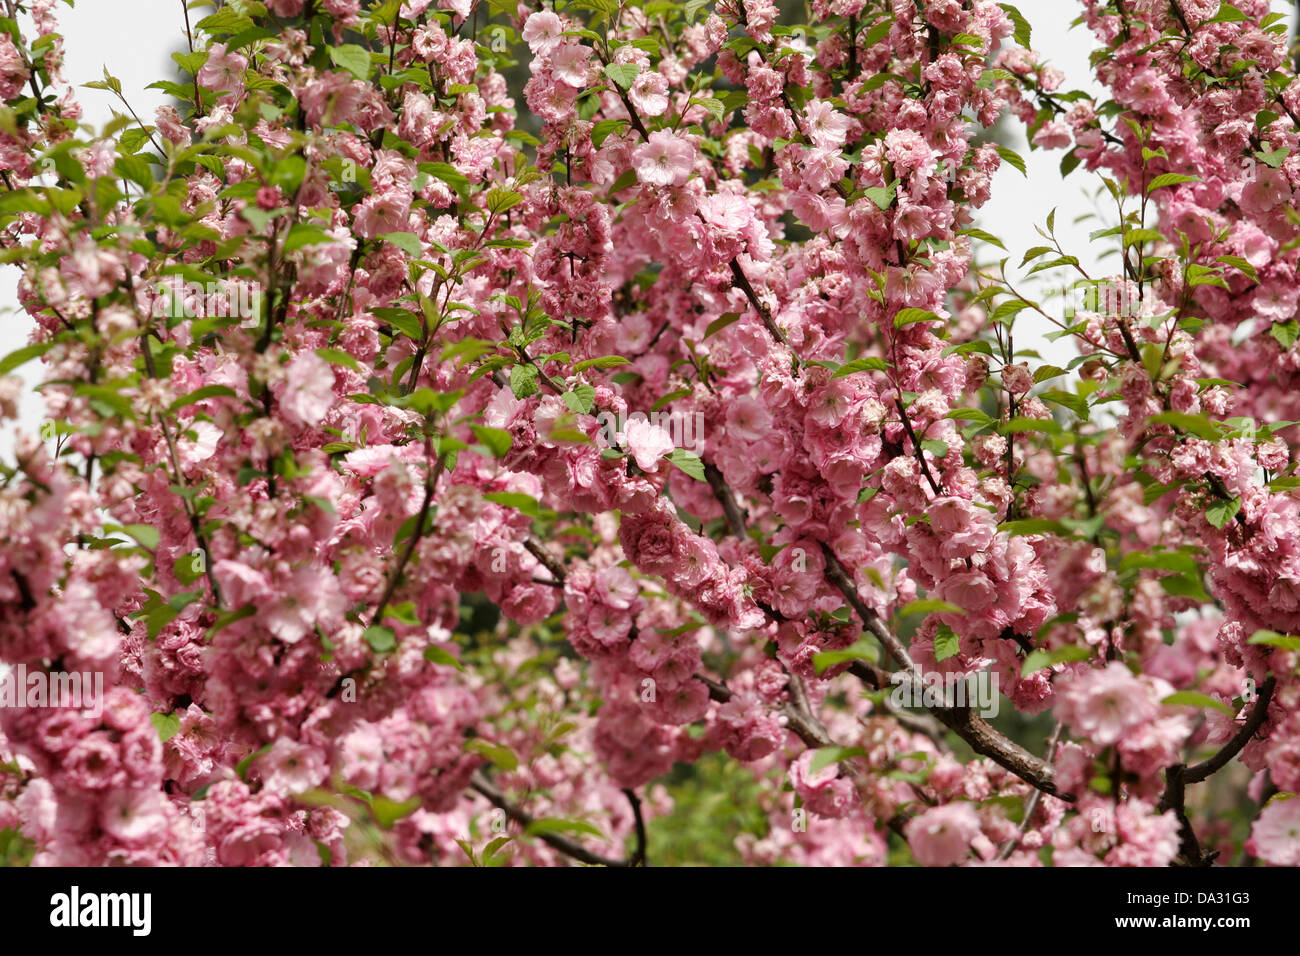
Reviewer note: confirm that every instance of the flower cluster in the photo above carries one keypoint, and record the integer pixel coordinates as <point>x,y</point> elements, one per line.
<point>370,577</point>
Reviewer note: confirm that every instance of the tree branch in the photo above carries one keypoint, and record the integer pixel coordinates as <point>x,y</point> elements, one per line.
<point>570,848</point>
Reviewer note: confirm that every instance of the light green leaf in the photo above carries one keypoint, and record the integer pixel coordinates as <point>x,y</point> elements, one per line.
<point>355,59</point>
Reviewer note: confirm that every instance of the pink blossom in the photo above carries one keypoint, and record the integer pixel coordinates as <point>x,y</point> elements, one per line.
<point>308,389</point>
<point>663,160</point>
<point>1275,835</point>
<point>941,836</point>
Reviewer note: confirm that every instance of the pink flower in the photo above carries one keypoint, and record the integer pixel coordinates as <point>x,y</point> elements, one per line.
<point>1266,191</point>
<point>1053,135</point>
<point>223,72</point>
<point>941,836</point>
<point>685,703</point>
<point>133,815</point>
<point>1104,704</point>
<point>290,768</point>
<point>13,74</point>
<point>663,160</point>
<point>825,126</point>
<point>972,591</point>
<point>571,63</point>
<point>647,442</point>
<point>542,32</point>
<point>308,389</point>
<point>649,93</point>
<point>747,419</point>
<point>1017,379</point>
<point>1275,835</point>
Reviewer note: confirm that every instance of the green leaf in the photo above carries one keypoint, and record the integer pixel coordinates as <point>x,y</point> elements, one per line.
<point>1198,425</point>
<point>878,32</point>
<point>870,363</point>
<point>1241,265</point>
<point>146,534</point>
<point>720,323</point>
<point>946,643</point>
<point>983,236</point>
<point>226,618</point>
<point>402,320</point>
<point>1220,513</point>
<point>450,175</point>
<point>167,725</point>
<point>339,357</point>
<point>604,129</point>
<point>969,415</point>
<point>502,200</point>
<point>1273,639</point>
<point>1013,158</point>
<point>437,655</point>
<point>882,196</point>
<point>1023,31</point>
<point>929,606</point>
<point>688,462</point>
<point>556,825</point>
<point>908,316</point>
<point>605,361</point>
<point>715,107</point>
<point>387,812</point>
<point>498,754</point>
<point>581,400</point>
<point>1075,403</point>
<point>1038,659</point>
<point>200,394</point>
<point>825,756</point>
<point>937,448</point>
<point>497,440</point>
<point>523,381</point>
<point>861,651</point>
<point>355,59</point>
<point>624,74</point>
<point>515,499</point>
<point>1035,526</point>
<point>1190,698</point>
<point>1185,585</point>
<point>1228,14</point>
<point>23,356</point>
<point>380,638</point>
<point>1285,333</point>
<point>408,242</point>
<point>1170,179</point>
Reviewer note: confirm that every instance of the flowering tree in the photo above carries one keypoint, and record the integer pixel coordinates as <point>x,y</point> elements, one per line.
<point>466,422</point>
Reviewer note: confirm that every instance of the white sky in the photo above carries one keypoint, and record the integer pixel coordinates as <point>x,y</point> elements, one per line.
<point>136,48</point>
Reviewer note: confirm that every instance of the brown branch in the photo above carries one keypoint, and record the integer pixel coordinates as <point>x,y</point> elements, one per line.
<point>1032,803</point>
<point>735,514</point>
<point>917,449</point>
<point>764,313</point>
<point>1203,770</point>
<point>968,725</point>
<point>1180,775</point>
<point>394,579</point>
<point>639,857</point>
<point>547,560</point>
<point>570,848</point>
